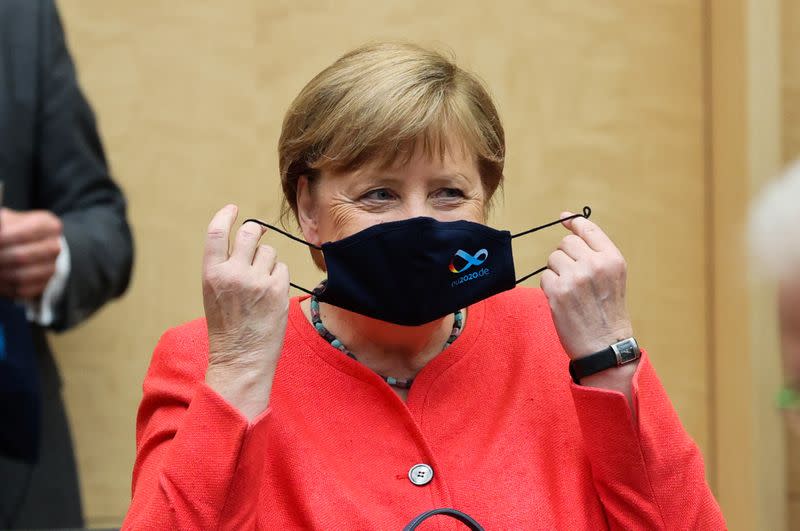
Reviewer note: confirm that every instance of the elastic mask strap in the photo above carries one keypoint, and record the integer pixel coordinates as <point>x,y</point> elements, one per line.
<point>587,211</point>
<point>290,236</point>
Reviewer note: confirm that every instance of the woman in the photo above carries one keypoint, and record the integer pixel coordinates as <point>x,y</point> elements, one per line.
<point>298,413</point>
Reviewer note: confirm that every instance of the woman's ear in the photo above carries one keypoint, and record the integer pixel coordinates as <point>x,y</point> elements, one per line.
<point>307,216</point>
<point>307,211</point>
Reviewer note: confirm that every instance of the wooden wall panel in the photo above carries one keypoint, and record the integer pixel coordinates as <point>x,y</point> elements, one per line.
<point>602,102</point>
<point>790,44</point>
<point>744,118</point>
<point>790,62</point>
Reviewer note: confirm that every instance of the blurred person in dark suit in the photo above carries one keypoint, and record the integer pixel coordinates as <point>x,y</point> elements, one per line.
<point>65,250</point>
<point>775,243</point>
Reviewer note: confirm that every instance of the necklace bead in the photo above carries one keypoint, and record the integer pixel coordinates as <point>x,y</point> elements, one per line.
<point>316,320</point>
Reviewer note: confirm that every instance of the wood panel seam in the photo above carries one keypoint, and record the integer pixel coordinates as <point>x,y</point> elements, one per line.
<point>711,373</point>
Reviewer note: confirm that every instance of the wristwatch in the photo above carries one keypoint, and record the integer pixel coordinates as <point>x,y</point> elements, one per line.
<point>616,355</point>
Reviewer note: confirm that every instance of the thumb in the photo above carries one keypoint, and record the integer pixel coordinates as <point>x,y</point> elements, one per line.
<point>566,222</point>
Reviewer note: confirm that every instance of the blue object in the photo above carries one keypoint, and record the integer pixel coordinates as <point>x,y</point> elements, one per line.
<point>20,402</point>
<point>3,354</point>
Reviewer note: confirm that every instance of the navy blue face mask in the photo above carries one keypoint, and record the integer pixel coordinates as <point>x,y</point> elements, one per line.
<point>417,270</point>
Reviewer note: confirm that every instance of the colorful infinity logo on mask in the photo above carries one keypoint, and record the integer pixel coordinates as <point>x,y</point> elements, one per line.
<point>476,260</point>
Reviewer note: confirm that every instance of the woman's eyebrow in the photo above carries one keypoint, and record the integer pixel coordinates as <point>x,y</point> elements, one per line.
<point>455,176</point>
<point>379,179</point>
<point>369,180</point>
<point>385,178</point>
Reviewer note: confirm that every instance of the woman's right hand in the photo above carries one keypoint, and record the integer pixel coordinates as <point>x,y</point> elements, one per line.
<point>246,300</point>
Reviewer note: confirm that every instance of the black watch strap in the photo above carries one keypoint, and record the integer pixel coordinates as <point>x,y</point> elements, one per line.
<point>617,354</point>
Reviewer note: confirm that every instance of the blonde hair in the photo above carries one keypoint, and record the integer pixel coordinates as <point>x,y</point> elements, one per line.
<point>380,104</point>
<point>774,228</point>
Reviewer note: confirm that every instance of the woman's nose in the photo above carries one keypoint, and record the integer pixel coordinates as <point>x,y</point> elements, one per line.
<point>418,207</point>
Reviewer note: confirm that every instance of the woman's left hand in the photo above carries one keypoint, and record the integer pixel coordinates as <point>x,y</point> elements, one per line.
<point>585,285</point>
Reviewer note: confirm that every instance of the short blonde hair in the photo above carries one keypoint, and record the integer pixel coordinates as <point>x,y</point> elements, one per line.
<point>381,103</point>
<point>774,230</point>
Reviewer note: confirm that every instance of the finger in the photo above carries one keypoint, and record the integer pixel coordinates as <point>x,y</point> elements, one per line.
<point>559,262</point>
<point>548,281</point>
<point>280,274</point>
<point>575,247</point>
<point>246,243</point>
<point>8,216</point>
<point>264,261</point>
<point>7,290</point>
<point>15,256</point>
<point>219,230</point>
<point>589,232</point>
<point>31,291</point>
<point>22,278</point>
<point>29,227</point>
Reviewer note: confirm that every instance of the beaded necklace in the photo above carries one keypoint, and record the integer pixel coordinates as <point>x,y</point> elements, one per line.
<point>316,320</point>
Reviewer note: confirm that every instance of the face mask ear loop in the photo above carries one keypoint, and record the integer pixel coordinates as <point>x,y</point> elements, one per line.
<point>291,236</point>
<point>587,211</point>
<point>529,275</point>
<point>276,229</point>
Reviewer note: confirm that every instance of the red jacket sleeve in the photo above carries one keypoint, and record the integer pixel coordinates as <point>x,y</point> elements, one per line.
<point>648,472</point>
<point>198,460</point>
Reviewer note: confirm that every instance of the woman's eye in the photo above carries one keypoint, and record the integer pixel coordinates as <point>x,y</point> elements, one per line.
<point>380,194</point>
<point>449,193</point>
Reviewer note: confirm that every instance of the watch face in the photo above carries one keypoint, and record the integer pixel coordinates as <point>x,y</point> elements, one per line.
<point>627,354</point>
<point>627,351</point>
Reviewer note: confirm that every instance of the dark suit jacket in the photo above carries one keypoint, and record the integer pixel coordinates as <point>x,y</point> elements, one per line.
<point>51,158</point>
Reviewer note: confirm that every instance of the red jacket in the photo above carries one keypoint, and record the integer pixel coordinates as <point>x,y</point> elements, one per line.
<point>511,440</point>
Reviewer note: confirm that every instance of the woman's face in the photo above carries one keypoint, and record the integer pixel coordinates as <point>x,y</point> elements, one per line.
<point>341,204</point>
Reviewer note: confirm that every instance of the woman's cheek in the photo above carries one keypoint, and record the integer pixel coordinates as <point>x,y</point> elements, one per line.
<point>473,210</point>
<point>345,219</point>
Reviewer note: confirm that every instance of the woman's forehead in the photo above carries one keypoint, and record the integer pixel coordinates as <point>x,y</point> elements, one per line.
<point>450,159</point>
<point>459,169</point>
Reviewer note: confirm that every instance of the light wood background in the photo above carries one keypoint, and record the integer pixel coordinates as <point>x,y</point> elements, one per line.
<point>790,66</point>
<point>604,103</point>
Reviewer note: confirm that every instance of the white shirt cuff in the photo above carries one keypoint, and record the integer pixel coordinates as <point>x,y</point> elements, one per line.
<point>43,311</point>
